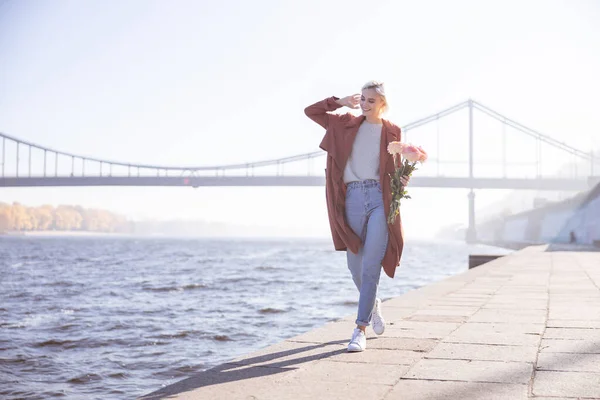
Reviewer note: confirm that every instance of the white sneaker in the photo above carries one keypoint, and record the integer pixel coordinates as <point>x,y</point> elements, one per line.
<point>358,341</point>
<point>377,318</point>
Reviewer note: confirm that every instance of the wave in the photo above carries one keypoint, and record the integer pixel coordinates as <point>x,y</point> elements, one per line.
<point>181,334</point>
<point>270,310</point>
<point>63,284</point>
<point>195,286</point>
<point>85,378</point>
<point>191,286</point>
<point>86,343</point>
<point>222,338</point>
<point>65,327</point>
<point>119,375</point>
<point>266,268</point>
<point>56,342</point>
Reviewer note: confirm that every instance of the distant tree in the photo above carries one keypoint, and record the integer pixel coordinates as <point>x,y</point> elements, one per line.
<point>5,218</point>
<point>21,218</point>
<point>63,218</point>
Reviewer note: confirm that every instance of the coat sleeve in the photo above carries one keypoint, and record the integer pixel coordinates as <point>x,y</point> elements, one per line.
<point>319,112</point>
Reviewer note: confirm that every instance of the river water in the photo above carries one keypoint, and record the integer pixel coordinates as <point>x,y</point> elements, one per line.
<point>118,317</point>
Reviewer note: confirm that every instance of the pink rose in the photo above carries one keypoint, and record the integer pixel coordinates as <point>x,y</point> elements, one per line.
<point>423,155</point>
<point>395,148</point>
<point>411,153</point>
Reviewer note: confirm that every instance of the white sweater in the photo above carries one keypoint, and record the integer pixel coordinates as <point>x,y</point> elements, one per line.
<point>363,162</point>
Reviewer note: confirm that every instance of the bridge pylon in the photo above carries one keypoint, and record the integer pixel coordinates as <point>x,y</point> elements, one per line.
<point>471,235</point>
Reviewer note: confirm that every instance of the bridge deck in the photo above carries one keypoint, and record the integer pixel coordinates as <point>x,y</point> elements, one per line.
<point>523,326</point>
<point>563,184</point>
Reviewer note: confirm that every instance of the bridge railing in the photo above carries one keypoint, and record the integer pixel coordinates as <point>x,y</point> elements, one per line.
<point>23,159</point>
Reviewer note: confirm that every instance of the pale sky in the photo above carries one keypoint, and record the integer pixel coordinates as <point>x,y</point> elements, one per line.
<point>211,83</point>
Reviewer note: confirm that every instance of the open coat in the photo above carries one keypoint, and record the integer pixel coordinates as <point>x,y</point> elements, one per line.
<point>339,137</point>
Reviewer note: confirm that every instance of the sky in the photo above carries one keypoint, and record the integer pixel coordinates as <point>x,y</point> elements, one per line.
<point>213,83</point>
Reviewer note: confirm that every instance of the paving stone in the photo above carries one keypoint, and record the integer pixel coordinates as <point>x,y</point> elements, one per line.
<point>409,389</point>
<point>516,316</point>
<point>555,398</point>
<point>569,362</point>
<point>567,384</point>
<point>517,305</point>
<point>493,338</point>
<point>457,302</point>
<point>500,327</point>
<point>565,323</point>
<point>379,356</point>
<point>482,352</point>
<point>437,318</point>
<point>572,333</point>
<point>446,312</point>
<point>472,371</point>
<point>570,346</point>
<point>382,342</point>
<point>574,313</point>
<point>420,330</point>
<point>329,371</point>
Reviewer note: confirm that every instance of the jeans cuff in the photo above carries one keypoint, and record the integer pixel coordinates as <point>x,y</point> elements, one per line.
<point>361,323</point>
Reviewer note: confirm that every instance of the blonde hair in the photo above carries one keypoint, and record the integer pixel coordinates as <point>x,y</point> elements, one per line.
<point>380,89</point>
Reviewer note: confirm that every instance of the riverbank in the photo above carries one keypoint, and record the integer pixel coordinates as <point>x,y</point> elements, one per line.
<point>61,233</point>
<point>522,326</point>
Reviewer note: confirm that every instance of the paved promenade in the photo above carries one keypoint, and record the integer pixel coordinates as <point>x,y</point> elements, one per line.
<point>525,326</point>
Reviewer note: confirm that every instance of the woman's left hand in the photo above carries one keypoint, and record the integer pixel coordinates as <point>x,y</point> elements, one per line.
<point>404,180</point>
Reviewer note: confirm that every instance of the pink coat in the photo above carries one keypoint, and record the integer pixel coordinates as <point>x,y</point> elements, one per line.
<point>339,137</point>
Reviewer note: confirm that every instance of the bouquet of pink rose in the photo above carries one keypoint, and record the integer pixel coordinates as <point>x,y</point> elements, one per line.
<point>412,155</point>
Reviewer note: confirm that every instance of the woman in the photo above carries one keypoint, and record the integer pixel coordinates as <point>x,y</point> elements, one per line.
<point>358,196</point>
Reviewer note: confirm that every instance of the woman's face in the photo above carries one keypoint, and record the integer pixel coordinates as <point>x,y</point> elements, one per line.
<point>371,103</point>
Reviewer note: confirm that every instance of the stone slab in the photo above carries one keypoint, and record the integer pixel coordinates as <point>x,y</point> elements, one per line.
<point>576,362</point>
<point>471,371</point>
<point>565,323</point>
<point>567,384</point>
<point>408,389</point>
<point>449,311</point>
<point>482,352</point>
<point>437,318</point>
<point>383,342</point>
<point>572,333</point>
<point>501,327</point>
<point>379,356</point>
<point>417,329</point>
<point>494,338</point>
<point>513,316</point>
<point>570,346</point>
<point>331,371</point>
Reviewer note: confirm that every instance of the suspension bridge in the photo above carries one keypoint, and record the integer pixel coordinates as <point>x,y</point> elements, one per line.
<point>59,168</point>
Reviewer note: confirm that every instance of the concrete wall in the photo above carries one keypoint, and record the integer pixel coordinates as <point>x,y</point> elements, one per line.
<point>551,223</point>
<point>584,223</point>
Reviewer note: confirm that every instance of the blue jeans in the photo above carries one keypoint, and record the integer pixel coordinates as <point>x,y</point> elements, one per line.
<point>366,216</point>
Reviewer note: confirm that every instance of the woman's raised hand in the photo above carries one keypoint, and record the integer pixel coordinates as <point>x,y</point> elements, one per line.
<point>351,101</point>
